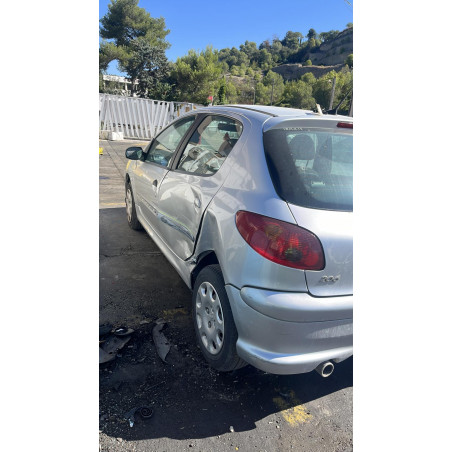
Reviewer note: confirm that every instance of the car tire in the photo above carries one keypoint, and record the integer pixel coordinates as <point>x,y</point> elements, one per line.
<point>132,219</point>
<point>214,324</point>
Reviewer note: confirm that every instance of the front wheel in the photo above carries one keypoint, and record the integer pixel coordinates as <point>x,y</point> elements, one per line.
<point>132,219</point>
<point>215,328</point>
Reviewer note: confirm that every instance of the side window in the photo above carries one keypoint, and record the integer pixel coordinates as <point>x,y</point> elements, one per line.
<point>164,145</point>
<point>209,145</point>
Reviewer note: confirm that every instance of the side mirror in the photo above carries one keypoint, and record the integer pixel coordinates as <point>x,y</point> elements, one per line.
<point>134,153</point>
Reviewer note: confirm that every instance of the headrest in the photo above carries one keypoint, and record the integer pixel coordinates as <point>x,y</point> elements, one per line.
<point>302,147</point>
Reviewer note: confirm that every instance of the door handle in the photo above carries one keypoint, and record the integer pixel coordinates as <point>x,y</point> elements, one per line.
<point>197,203</point>
<point>155,183</point>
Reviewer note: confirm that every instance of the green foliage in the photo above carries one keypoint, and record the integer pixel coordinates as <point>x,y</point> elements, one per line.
<point>197,76</point>
<point>321,89</point>
<point>308,78</point>
<point>308,63</point>
<point>328,35</point>
<point>270,82</point>
<point>265,59</point>
<point>231,93</point>
<point>298,94</point>
<point>292,40</point>
<point>222,94</point>
<point>233,57</point>
<point>148,65</point>
<point>126,21</point>
<point>137,41</point>
<point>349,25</point>
<point>109,51</point>
<point>251,50</point>
<point>312,34</point>
<point>311,43</point>
<point>349,60</point>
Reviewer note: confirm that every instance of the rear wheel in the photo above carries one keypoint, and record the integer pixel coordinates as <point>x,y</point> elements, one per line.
<point>132,219</point>
<point>214,325</point>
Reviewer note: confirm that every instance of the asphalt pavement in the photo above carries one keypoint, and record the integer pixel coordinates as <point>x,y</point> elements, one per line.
<point>112,165</point>
<point>194,408</point>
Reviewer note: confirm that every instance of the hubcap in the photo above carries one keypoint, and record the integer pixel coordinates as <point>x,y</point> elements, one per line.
<point>209,318</point>
<point>129,202</point>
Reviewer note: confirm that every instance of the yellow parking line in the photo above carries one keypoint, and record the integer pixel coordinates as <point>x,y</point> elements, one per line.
<point>292,411</point>
<point>119,204</point>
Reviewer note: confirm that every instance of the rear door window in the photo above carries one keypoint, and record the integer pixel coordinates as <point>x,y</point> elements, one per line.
<point>209,145</point>
<point>312,167</point>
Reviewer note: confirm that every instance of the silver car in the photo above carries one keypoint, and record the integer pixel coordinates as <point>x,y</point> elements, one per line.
<point>252,205</point>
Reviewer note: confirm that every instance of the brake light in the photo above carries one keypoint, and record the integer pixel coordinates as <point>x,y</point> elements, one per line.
<point>345,125</point>
<point>281,242</point>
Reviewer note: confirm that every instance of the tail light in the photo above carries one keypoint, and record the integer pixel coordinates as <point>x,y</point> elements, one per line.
<point>345,125</point>
<point>281,242</point>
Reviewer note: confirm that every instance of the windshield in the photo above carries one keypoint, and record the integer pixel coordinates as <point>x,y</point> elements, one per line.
<point>312,167</point>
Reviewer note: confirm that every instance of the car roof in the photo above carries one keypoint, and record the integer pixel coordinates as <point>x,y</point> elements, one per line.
<point>269,111</point>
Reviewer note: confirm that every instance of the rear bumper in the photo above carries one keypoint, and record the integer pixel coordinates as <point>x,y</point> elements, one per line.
<point>291,333</point>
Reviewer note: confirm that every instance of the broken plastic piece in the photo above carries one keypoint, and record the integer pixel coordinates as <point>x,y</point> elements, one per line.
<point>105,357</point>
<point>108,350</point>
<point>161,342</point>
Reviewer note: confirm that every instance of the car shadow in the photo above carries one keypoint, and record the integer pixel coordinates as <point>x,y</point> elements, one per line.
<point>201,403</point>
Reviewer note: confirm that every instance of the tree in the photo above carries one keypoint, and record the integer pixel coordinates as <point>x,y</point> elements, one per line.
<point>312,34</point>
<point>125,29</point>
<point>308,78</point>
<point>265,45</point>
<point>349,60</point>
<point>251,50</point>
<point>197,75</point>
<point>270,82</point>
<point>292,40</point>
<point>308,63</point>
<point>126,21</point>
<point>265,59</point>
<point>148,65</point>
<point>328,35</point>
<point>321,89</point>
<point>109,51</point>
<point>298,94</point>
<point>311,43</point>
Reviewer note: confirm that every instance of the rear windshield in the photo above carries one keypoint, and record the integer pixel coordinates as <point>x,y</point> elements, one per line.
<point>312,167</point>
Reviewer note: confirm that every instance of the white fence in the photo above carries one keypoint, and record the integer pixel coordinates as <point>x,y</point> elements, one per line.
<point>135,117</point>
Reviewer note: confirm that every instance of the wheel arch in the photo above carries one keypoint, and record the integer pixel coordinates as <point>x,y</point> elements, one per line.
<point>206,258</point>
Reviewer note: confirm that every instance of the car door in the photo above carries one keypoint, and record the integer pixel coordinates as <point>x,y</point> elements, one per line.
<point>151,170</point>
<point>187,190</point>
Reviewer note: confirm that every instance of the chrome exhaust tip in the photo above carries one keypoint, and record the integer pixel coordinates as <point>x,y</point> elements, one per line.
<point>325,369</point>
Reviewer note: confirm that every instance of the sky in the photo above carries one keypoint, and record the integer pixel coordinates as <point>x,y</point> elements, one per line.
<point>195,25</point>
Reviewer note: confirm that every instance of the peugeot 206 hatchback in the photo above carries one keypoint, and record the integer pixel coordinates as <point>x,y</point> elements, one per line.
<point>252,205</point>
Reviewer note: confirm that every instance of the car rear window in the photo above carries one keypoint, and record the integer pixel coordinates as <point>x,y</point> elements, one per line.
<point>312,167</point>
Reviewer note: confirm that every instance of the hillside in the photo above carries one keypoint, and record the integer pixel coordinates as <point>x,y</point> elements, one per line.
<point>296,70</point>
<point>335,51</point>
<point>327,57</point>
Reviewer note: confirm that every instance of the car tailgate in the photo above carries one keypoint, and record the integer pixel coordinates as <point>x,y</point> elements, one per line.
<point>334,230</point>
